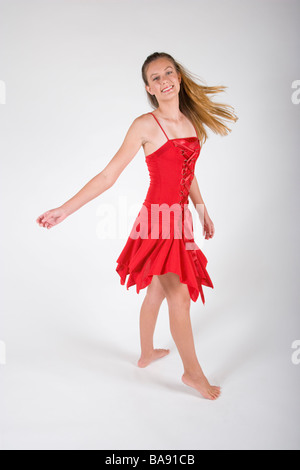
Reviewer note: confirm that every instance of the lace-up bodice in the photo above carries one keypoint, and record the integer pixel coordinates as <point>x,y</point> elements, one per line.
<point>187,172</point>
<point>171,169</point>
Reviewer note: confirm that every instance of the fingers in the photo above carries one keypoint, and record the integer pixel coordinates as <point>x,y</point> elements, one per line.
<point>41,220</point>
<point>44,220</point>
<point>45,224</point>
<point>209,232</point>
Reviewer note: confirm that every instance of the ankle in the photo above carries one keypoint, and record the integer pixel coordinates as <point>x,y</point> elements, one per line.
<point>194,373</point>
<point>147,352</point>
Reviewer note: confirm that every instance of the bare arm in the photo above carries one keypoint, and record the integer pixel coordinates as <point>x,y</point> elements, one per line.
<point>197,200</point>
<point>101,182</point>
<point>109,175</point>
<point>195,194</point>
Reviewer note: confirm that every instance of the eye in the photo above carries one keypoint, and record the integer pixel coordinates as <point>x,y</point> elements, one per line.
<point>170,71</point>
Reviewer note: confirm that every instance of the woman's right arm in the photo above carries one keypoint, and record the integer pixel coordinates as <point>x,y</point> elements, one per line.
<point>101,182</point>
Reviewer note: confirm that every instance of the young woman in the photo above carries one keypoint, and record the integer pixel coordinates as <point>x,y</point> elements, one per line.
<point>170,266</point>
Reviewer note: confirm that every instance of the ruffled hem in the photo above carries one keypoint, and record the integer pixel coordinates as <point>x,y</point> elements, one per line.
<point>141,261</point>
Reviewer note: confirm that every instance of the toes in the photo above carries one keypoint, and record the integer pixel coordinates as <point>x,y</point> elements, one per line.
<point>215,392</point>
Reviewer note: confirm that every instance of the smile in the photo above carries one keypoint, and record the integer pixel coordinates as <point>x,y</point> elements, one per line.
<point>166,90</point>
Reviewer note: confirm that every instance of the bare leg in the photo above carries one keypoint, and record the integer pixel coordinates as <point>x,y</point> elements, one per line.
<point>148,317</point>
<point>179,300</point>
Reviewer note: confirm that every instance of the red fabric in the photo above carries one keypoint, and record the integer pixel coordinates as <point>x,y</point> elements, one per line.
<point>161,239</point>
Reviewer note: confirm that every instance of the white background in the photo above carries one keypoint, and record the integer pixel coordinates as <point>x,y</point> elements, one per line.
<point>72,73</point>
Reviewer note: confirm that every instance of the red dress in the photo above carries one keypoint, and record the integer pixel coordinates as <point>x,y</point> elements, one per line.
<point>161,239</point>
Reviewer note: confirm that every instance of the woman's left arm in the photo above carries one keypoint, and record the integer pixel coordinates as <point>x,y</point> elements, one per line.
<point>197,200</point>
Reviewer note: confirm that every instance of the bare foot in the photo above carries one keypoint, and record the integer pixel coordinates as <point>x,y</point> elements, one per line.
<point>201,384</point>
<point>155,354</point>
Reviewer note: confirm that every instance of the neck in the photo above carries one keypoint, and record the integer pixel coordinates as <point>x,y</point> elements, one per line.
<point>170,110</point>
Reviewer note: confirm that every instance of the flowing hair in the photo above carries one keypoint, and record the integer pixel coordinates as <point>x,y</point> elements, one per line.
<point>194,100</point>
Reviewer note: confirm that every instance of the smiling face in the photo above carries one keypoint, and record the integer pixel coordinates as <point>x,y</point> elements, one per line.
<point>164,82</point>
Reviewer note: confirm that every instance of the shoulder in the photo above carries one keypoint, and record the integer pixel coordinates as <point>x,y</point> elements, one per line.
<point>143,120</point>
<point>142,125</point>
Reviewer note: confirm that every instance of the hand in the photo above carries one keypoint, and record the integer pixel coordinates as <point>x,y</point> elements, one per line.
<point>52,217</point>
<point>208,226</point>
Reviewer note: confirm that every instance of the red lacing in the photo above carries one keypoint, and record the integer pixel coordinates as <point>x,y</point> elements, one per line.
<point>187,176</point>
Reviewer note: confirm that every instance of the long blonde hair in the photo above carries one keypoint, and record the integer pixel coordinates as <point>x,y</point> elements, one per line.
<point>194,101</point>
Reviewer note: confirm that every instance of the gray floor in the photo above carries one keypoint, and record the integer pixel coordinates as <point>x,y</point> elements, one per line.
<point>71,382</point>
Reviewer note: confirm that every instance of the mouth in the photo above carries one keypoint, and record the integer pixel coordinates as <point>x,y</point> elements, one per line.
<point>166,90</point>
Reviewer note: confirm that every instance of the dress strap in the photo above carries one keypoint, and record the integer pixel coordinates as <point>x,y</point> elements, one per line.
<point>164,131</point>
<point>160,126</point>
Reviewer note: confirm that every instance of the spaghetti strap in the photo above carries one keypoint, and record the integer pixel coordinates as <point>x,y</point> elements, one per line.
<point>160,126</point>
<point>164,131</point>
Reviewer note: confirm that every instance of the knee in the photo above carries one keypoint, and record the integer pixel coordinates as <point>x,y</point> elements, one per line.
<point>155,296</point>
<point>176,293</point>
<point>179,300</point>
